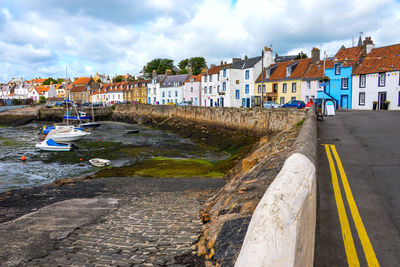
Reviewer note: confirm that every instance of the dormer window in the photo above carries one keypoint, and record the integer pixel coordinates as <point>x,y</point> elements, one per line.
<point>268,73</point>
<point>288,71</point>
<point>191,80</point>
<point>337,69</point>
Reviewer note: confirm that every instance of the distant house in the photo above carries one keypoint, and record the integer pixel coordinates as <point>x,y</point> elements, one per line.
<point>153,88</point>
<point>4,91</point>
<point>339,71</point>
<point>311,80</point>
<point>139,91</point>
<point>377,78</point>
<point>192,89</point>
<point>171,89</point>
<point>21,91</point>
<point>80,91</point>
<point>212,89</point>
<point>102,77</point>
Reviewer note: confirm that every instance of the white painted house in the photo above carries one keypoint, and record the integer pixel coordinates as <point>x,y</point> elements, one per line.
<point>376,80</point>
<point>172,89</point>
<point>192,89</point>
<point>153,93</point>
<point>21,91</point>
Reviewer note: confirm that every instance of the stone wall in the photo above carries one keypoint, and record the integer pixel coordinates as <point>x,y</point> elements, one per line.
<point>257,120</point>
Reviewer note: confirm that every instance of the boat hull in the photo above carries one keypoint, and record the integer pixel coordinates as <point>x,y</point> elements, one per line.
<point>44,147</point>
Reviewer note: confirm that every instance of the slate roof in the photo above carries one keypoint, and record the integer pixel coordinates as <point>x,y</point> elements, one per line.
<point>380,59</point>
<point>160,78</point>
<point>170,80</point>
<point>246,63</point>
<point>284,58</point>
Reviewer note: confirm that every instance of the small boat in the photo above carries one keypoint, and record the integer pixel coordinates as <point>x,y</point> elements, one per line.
<point>47,129</point>
<point>99,162</point>
<point>66,134</point>
<point>89,125</point>
<point>81,117</point>
<point>132,131</point>
<point>51,145</point>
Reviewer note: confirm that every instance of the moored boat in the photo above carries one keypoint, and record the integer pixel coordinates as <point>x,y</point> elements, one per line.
<point>66,134</point>
<point>99,162</point>
<point>51,145</point>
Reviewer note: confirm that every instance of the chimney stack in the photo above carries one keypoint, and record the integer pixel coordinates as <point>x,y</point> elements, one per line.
<point>315,55</point>
<point>222,63</point>
<point>368,45</point>
<point>154,74</point>
<point>168,72</point>
<point>190,71</point>
<point>246,57</point>
<point>236,59</point>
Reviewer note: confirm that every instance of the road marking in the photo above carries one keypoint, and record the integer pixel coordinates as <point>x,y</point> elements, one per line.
<point>362,233</point>
<point>349,247</point>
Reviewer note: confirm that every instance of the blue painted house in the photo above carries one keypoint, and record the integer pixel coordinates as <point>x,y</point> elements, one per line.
<point>339,71</point>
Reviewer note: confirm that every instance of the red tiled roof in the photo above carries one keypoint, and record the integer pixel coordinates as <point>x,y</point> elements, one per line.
<point>262,75</point>
<point>196,78</point>
<point>39,80</point>
<point>280,71</point>
<point>380,59</point>
<point>82,80</point>
<point>301,68</point>
<point>347,56</point>
<point>316,71</point>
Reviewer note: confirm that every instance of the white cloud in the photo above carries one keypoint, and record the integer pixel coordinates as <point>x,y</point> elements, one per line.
<point>122,36</point>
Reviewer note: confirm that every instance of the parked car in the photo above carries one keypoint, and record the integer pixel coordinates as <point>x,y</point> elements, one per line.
<point>184,103</point>
<point>85,104</point>
<point>294,104</point>
<point>272,104</point>
<point>59,104</point>
<point>171,104</point>
<point>97,104</point>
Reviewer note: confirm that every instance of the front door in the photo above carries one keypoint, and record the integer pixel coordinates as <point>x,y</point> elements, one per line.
<point>247,102</point>
<point>344,101</point>
<point>381,100</point>
<point>222,102</point>
<point>211,102</point>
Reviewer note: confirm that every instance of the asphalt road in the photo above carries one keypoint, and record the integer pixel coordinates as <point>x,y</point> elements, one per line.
<point>368,147</point>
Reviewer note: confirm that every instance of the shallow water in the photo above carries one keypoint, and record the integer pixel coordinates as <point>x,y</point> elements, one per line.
<point>109,141</point>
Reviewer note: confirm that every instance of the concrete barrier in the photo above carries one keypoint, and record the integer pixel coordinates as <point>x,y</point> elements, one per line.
<point>282,229</point>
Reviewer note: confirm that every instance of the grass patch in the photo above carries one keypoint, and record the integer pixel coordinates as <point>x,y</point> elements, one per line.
<point>300,123</point>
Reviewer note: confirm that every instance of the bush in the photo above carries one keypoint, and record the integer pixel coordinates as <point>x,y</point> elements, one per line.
<point>113,107</point>
<point>16,102</point>
<point>42,99</point>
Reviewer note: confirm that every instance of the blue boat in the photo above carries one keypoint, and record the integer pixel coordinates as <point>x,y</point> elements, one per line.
<point>82,116</point>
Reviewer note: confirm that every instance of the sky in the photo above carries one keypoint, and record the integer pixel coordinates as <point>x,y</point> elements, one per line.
<point>43,38</point>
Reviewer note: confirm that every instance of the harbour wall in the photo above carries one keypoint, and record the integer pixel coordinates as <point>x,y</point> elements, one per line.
<point>255,120</point>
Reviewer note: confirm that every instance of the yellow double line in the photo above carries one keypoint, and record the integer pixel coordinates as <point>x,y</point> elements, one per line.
<point>349,246</point>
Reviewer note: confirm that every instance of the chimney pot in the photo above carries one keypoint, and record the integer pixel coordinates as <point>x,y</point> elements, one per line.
<point>315,55</point>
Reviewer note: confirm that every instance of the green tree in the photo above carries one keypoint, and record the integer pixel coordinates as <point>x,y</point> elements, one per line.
<point>42,99</point>
<point>49,81</point>
<point>301,55</point>
<point>160,65</point>
<point>16,101</point>
<point>98,80</point>
<point>183,71</point>
<point>60,80</point>
<point>196,63</point>
<point>131,79</point>
<point>119,79</point>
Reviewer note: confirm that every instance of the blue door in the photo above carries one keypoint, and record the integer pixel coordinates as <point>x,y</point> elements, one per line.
<point>211,102</point>
<point>222,102</point>
<point>344,101</point>
<point>247,102</point>
<point>195,101</point>
<point>244,102</point>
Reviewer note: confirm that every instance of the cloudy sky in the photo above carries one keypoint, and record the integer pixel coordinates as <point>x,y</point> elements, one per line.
<point>42,38</point>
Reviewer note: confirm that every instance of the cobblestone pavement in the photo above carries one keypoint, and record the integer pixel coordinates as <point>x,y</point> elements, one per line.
<point>156,221</point>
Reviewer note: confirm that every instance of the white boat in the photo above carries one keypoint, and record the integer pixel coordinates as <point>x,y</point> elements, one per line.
<point>51,145</point>
<point>99,162</point>
<point>66,134</point>
<point>89,125</point>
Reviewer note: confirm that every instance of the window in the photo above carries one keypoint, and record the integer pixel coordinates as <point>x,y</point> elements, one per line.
<point>361,99</point>
<point>191,89</point>
<point>246,89</point>
<point>288,71</point>
<point>308,85</point>
<point>224,86</point>
<point>284,88</point>
<point>205,89</point>
<point>398,102</point>
<point>264,88</point>
<point>218,88</point>
<point>210,88</point>
<point>163,94</point>
<point>275,87</point>
<point>210,78</point>
<point>282,100</point>
<point>218,76</point>
<point>345,83</point>
<point>337,69</point>
<point>205,78</point>
<point>293,87</point>
<point>237,95</point>
<point>149,100</point>
<point>247,74</point>
<point>381,79</point>
<point>259,89</point>
<point>169,93</point>
<point>176,93</point>
<point>293,98</point>
<point>362,81</point>
<point>224,73</point>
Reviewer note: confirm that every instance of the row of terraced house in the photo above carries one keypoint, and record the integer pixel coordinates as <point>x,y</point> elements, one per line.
<point>359,77</point>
